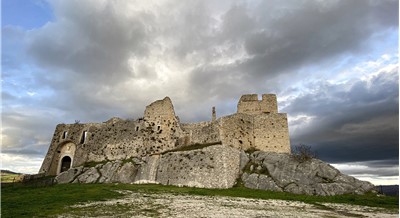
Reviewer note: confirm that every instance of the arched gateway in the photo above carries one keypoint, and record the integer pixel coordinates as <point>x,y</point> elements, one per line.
<point>66,158</point>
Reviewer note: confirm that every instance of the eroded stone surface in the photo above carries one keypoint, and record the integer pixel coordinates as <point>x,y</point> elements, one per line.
<point>276,172</point>
<point>211,167</point>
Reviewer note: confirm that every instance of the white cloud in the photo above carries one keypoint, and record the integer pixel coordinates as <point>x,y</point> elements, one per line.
<point>21,163</point>
<point>364,171</point>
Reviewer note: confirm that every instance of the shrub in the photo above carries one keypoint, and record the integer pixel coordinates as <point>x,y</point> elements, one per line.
<point>303,153</point>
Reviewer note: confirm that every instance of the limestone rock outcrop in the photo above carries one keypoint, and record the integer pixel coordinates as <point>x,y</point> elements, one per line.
<point>281,172</point>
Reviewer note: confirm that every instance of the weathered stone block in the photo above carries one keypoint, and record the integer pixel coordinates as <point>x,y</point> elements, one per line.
<point>88,176</point>
<point>211,167</point>
<point>69,175</point>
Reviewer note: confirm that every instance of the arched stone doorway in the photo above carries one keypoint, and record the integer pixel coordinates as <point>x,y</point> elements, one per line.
<point>65,163</point>
<point>65,160</point>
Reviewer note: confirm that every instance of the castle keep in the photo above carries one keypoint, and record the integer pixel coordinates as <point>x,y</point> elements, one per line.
<point>257,125</point>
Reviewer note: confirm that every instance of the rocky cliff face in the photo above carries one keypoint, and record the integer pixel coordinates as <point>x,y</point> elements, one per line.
<point>222,166</point>
<point>281,172</point>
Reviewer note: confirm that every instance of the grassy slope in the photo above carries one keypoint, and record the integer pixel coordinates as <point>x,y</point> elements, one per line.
<point>49,201</point>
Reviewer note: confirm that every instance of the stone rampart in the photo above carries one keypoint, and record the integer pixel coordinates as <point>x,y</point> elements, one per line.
<point>211,167</point>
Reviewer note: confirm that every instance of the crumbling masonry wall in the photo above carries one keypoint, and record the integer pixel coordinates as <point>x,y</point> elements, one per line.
<point>116,139</point>
<point>201,133</point>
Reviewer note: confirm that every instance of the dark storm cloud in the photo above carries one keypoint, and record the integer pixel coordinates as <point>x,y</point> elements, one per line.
<point>282,37</point>
<point>356,121</point>
<point>91,45</point>
<point>91,41</point>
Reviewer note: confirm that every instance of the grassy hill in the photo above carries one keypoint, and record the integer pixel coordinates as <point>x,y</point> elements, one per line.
<point>8,176</point>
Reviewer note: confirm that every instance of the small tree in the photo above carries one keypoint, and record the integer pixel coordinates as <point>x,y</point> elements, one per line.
<point>303,153</point>
<point>77,121</point>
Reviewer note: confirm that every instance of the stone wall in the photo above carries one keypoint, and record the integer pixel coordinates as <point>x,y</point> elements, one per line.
<point>265,132</point>
<point>249,104</point>
<point>271,133</point>
<point>211,167</point>
<point>202,132</point>
<point>116,140</point>
<point>237,130</point>
<point>159,108</point>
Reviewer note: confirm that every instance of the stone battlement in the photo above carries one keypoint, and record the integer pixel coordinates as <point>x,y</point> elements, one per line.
<point>249,104</point>
<point>256,125</point>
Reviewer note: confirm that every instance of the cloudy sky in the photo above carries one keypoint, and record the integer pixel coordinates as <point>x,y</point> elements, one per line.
<point>333,65</point>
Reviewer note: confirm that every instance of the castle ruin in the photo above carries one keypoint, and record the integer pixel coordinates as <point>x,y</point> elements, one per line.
<point>257,125</point>
<point>249,148</point>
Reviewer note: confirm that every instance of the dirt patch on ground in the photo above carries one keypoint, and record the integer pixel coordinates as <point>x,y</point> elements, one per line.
<point>171,205</point>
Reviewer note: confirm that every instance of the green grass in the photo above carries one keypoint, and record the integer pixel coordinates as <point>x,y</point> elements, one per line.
<point>20,201</point>
<point>10,177</point>
<point>23,201</point>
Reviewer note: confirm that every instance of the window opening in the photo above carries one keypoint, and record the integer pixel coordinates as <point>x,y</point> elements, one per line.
<point>137,128</point>
<point>65,133</point>
<point>84,135</point>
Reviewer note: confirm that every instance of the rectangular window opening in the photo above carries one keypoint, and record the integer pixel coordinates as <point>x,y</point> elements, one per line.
<point>84,135</point>
<point>137,128</point>
<point>64,135</point>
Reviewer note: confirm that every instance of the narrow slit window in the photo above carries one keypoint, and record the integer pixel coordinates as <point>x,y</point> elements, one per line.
<point>64,135</point>
<point>158,127</point>
<point>137,128</point>
<point>84,135</point>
